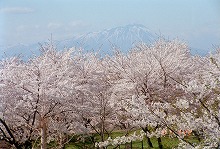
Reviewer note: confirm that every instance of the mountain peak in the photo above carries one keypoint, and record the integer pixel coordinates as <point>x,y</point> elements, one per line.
<point>130,27</point>
<point>122,37</point>
<point>135,26</point>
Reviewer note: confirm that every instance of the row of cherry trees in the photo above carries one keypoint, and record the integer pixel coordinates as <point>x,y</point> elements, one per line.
<point>153,87</point>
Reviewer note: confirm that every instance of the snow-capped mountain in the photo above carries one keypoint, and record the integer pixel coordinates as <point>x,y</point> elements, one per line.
<point>123,37</point>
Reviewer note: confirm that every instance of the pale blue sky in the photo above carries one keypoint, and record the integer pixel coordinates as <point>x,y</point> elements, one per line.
<point>29,21</point>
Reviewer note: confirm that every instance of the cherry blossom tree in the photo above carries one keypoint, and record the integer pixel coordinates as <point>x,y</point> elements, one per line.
<point>95,86</point>
<point>183,96</point>
<point>203,114</point>
<point>147,79</point>
<point>36,95</point>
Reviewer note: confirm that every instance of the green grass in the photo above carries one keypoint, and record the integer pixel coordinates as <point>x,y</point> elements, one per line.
<point>77,143</point>
<point>168,143</point>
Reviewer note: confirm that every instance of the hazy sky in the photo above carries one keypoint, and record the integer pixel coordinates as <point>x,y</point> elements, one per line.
<point>29,21</point>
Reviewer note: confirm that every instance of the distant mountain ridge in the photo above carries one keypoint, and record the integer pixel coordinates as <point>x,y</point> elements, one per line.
<point>123,37</point>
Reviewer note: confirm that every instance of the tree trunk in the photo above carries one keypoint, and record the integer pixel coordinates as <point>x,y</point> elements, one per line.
<point>160,143</point>
<point>28,144</point>
<point>148,139</point>
<point>128,146</point>
<point>43,134</point>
